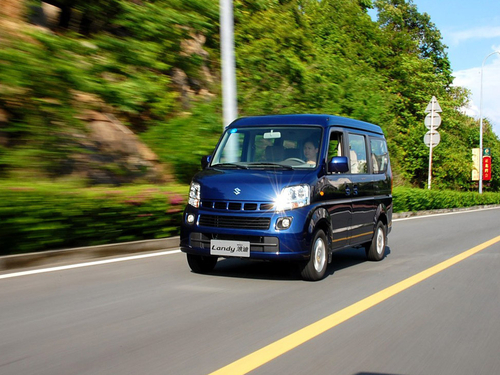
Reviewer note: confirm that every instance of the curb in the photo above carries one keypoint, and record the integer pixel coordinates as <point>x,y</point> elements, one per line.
<point>53,257</point>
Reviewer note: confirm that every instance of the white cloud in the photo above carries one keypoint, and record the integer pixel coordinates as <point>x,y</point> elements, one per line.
<point>471,79</point>
<point>485,32</point>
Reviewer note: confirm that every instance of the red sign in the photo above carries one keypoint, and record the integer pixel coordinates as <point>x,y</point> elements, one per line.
<point>486,168</point>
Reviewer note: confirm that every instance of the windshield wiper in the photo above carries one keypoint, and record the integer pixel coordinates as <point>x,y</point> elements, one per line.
<point>273,165</point>
<point>231,165</point>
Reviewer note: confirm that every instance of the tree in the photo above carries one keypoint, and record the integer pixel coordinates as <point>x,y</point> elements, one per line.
<point>273,54</point>
<point>413,32</point>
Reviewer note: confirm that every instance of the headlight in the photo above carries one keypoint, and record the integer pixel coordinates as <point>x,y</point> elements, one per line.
<point>194,195</point>
<point>293,197</point>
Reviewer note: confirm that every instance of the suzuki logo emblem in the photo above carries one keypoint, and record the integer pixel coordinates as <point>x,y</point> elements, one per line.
<point>237,191</point>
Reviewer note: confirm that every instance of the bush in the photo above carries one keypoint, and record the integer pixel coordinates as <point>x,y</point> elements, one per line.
<point>47,218</point>
<point>410,200</point>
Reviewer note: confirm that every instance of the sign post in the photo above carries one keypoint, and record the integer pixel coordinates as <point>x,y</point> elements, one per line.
<point>432,137</point>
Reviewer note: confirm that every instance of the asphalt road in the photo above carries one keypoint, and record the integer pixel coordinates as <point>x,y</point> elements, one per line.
<point>153,316</point>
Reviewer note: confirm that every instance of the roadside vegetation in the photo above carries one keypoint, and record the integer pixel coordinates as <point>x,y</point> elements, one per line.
<point>413,200</point>
<point>57,216</point>
<point>153,67</point>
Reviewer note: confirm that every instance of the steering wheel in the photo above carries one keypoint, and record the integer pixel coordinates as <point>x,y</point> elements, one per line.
<point>297,160</point>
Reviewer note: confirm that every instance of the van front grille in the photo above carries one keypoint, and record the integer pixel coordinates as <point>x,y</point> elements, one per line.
<point>236,206</point>
<point>237,222</point>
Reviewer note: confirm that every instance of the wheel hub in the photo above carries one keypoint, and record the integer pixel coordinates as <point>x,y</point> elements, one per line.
<point>319,255</point>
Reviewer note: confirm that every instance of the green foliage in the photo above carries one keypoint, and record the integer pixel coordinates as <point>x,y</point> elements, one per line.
<point>273,52</point>
<point>413,200</point>
<point>298,57</point>
<point>140,60</point>
<point>36,80</point>
<point>50,216</point>
<point>132,71</point>
<point>54,217</point>
<point>413,32</point>
<point>292,56</point>
<point>127,75</point>
<point>173,140</point>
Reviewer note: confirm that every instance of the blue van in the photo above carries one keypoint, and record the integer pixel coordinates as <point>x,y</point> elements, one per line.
<point>290,188</point>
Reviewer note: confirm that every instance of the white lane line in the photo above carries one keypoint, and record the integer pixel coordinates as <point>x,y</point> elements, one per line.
<point>88,264</point>
<point>445,214</point>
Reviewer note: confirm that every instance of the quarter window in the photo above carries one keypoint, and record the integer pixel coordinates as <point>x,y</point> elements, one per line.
<point>357,154</point>
<point>379,155</point>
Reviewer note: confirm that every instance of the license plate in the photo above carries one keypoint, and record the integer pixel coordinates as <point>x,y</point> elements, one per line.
<point>230,248</point>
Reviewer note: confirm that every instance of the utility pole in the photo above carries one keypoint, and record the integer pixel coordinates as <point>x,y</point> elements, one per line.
<point>481,125</point>
<point>229,99</point>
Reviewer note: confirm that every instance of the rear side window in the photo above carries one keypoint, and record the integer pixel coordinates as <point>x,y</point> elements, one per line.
<point>357,154</point>
<point>379,155</point>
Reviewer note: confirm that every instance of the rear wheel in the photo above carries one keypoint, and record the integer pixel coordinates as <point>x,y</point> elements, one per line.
<point>200,263</point>
<point>375,250</point>
<point>315,268</point>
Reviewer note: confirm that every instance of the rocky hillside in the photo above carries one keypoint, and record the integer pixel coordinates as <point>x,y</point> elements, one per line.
<point>72,107</point>
<point>78,77</point>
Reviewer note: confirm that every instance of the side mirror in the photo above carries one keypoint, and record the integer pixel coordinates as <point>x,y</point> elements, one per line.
<point>205,161</point>
<point>338,164</point>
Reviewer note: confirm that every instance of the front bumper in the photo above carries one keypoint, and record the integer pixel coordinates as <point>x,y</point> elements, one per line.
<point>267,242</point>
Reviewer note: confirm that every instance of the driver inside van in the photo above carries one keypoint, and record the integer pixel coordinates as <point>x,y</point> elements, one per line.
<point>311,152</point>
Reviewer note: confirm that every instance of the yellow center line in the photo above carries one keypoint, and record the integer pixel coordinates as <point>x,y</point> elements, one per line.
<point>277,348</point>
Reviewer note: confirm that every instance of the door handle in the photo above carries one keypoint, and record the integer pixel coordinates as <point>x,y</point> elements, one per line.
<point>347,191</point>
<point>355,190</point>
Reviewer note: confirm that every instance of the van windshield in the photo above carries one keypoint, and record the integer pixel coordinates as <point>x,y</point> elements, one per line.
<point>269,147</point>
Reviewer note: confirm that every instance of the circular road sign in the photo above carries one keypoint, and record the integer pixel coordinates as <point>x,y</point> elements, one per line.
<point>432,119</point>
<point>435,138</point>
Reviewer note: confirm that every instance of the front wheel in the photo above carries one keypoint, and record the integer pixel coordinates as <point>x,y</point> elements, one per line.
<point>315,268</point>
<point>200,263</point>
<point>375,250</point>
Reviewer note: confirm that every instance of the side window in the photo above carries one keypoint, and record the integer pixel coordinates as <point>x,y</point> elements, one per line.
<point>357,154</point>
<point>379,155</point>
<point>335,145</point>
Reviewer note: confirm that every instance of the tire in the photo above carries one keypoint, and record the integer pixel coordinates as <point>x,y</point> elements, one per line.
<point>200,263</point>
<point>375,250</point>
<point>315,268</point>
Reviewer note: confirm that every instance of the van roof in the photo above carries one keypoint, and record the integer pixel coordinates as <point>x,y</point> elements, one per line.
<point>324,121</point>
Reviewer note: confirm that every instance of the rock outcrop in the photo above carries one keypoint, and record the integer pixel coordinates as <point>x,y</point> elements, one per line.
<point>112,154</point>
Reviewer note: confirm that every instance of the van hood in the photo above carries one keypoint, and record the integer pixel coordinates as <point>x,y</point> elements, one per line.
<point>247,185</point>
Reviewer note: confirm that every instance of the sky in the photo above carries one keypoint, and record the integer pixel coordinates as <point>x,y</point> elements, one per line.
<point>471,30</point>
